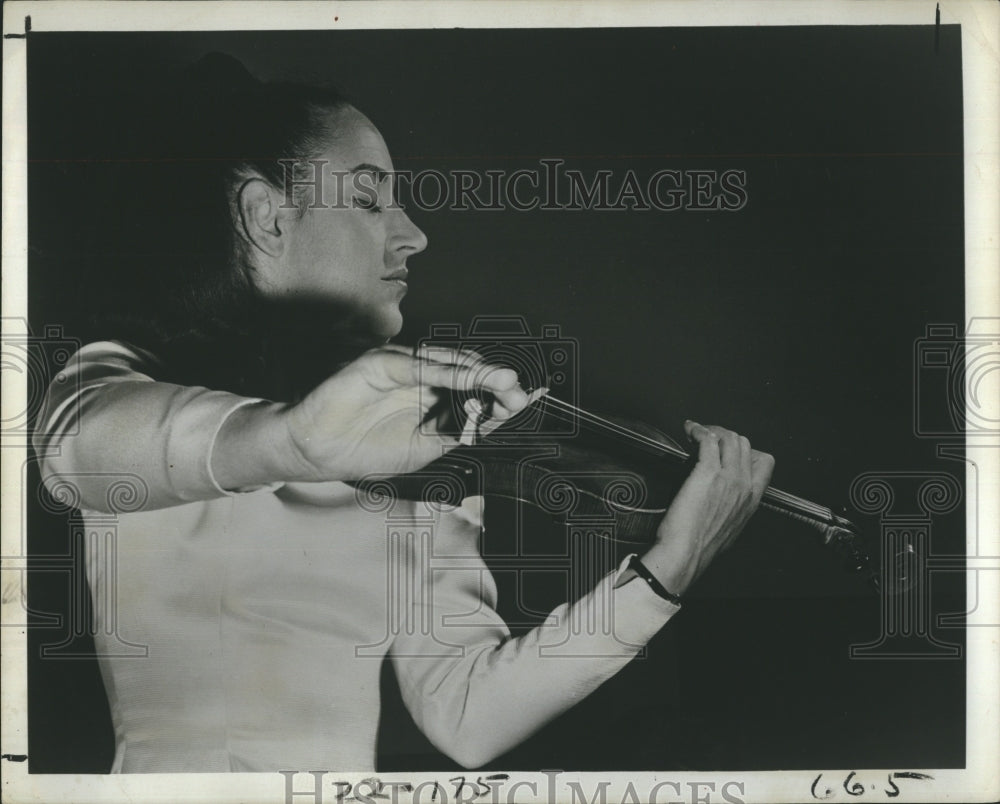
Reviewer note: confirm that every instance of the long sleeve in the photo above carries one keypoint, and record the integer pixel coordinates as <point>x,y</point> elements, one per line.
<point>475,691</point>
<point>105,418</point>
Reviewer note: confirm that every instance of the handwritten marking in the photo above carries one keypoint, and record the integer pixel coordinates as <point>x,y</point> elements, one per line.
<point>855,788</point>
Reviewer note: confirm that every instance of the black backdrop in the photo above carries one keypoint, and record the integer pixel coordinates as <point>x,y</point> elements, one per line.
<point>792,320</point>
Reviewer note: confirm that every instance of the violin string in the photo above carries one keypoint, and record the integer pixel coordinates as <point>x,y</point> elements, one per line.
<point>775,495</point>
<point>598,424</point>
<point>582,418</point>
<point>796,503</point>
<point>799,502</point>
<point>564,411</point>
<point>615,428</point>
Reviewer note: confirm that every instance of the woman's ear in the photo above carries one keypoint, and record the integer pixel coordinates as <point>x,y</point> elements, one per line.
<point>260,216</point>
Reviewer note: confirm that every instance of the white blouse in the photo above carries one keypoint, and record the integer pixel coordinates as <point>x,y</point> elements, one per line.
<point>266,613</point>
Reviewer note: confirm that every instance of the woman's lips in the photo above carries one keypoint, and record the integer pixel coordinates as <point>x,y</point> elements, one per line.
<point>397,276</point>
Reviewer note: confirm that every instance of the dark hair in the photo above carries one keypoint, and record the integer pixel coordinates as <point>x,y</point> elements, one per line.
<point>178,278</point>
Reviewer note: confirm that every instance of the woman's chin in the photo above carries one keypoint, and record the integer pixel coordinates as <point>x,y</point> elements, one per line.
<point>387,323</point>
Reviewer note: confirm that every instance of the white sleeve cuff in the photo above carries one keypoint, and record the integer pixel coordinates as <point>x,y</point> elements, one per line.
<point>189,454</point>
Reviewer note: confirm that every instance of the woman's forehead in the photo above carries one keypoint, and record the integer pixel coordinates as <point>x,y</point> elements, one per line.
<point>355,141</point>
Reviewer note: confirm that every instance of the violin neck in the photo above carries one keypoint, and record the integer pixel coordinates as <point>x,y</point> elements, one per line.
<point>818,516</point>
<point>798,508</point>
<point>821,522</point>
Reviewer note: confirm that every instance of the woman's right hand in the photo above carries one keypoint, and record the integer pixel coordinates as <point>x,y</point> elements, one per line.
<point>370,417</point>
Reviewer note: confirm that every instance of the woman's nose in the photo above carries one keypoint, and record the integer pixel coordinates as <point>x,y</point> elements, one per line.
<point>407,235</point>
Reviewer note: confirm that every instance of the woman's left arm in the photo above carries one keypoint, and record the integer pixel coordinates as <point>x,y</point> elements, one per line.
<point>475,691</point>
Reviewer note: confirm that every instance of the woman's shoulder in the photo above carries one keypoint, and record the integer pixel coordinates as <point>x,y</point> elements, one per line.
<point>113,357</point>
<point>115,350</point>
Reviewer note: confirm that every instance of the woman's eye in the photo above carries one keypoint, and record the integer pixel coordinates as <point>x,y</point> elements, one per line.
<point>366,202</point>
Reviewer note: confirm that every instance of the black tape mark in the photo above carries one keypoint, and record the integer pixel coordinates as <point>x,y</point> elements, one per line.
<point>14,757</point>
<point>27,30</point>
<point>937,26</point>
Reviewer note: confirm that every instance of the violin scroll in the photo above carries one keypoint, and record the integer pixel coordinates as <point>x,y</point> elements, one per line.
<point>845,538</point>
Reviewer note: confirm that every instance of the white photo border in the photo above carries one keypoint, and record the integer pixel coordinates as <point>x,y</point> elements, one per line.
<point>980,22</point>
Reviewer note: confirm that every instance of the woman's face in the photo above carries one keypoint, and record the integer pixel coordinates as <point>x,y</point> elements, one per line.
<point>351,249</point>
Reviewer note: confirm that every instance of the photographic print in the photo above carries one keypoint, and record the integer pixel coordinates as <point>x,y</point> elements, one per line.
<point>500,402</point>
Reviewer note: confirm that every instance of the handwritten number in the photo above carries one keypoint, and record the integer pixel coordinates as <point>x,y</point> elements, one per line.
<point>903,775</point>
<point>855,789</point>
<point>828,793</point>
<point>480,787</point>
<point>375,787</point>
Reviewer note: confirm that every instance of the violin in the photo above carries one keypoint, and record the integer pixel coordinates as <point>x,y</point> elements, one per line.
<point>577,466</point>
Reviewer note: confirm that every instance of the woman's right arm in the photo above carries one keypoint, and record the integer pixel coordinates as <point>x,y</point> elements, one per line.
<point>106,416</point>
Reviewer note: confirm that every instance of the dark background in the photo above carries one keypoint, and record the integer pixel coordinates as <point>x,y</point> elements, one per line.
<point>793,321</point>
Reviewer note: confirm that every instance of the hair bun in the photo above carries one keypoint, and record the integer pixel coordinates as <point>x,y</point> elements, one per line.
<point>222,73</point>
<point>213,100</point>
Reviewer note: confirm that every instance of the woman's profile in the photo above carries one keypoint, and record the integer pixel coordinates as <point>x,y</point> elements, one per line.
<point>242,368</point>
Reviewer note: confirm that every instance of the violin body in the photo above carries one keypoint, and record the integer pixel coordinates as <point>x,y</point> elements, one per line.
<point>564,480</point>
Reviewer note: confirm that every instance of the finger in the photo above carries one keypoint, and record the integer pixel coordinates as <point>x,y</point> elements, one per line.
<point>473,409</point>
<point>475,378</point>
<point>746,457</point>
<point>708,444</point>
<point>391,366</point>
<point>500,412</point>
<point>397,347</point>
<point>497,380</point>
<point>437,355</point>
<point>509,396</point>
<point>762,467</point>
<point>403,369</point>
<point>438,375</point>
<point>445,355</point>
<point>729,448</point>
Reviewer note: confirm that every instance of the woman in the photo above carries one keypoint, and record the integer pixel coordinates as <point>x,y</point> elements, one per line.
<point>240,384</point>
